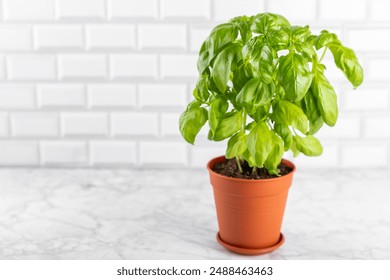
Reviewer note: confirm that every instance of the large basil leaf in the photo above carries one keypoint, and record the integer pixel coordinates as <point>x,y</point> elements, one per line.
<point>308,145</point>
<point>224,63</point>
<point>220,36</point>
<point>255,93</point>
<point>346,60</point>
<point>265,22</point>
<point>228,125</point>
<point>326,98</point>
<point>260,142</point>
<point>294,76</point>
<point>287,113</point>
<point>236,145</point>
<point>263,63</point>
<point>191,122</point>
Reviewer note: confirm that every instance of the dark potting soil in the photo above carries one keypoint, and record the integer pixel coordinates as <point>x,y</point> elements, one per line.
<point>229,168</point>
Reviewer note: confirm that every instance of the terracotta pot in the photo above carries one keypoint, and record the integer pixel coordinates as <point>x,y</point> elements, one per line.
<point>250,212</point>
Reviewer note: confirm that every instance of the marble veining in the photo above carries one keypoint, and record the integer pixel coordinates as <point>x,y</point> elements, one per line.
<point>169,214</point>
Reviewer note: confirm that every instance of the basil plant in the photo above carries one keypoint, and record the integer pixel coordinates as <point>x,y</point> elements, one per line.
<point>262,86</point>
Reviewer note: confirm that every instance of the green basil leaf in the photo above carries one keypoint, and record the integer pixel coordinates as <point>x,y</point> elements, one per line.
<point>261,113</point>
<point>308,145</point>
<point>201,92</point>
<point>312,112</point>
<point>294,149</point>
<point>260,143</point>
<point>255,93</point>
<point>236,145</point>
<point>191,122</point>
<point>283,131</point>
<point>279,39</point>
<point>287,113</point>
<point>224,63</point>
<point>326,98</point>
<point>294,76</point>
<point>220,36</point>
<point>249,158</point>
<point>300,33</point>
<point>218,108</point>
<point>193,105</point>
<point>206,53</point>
<point>263,23</point>
<point>346,60</point>
<point>324,39</point>
<point>263,63</point>
<point>241,76</point>
<point>243,24</point>
<point>228,125</point>
<point>250,125</point>
<point>306,50</point>
<point>275,156</point>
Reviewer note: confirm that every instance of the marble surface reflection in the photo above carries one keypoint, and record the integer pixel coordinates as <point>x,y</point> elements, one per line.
<point>169,214</point>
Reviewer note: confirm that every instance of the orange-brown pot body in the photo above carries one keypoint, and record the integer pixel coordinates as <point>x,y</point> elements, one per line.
<point>250,212</point>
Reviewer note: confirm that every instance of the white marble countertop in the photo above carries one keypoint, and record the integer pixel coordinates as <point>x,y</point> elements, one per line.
<point>169,214</point>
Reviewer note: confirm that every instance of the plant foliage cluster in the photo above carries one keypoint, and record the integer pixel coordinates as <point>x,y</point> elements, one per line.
<point>262,85</point>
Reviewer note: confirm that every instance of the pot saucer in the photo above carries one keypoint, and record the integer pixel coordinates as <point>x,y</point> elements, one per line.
<point>251,251</point>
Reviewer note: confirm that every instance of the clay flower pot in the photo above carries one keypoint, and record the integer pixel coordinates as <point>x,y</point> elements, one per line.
<point>250,212</point>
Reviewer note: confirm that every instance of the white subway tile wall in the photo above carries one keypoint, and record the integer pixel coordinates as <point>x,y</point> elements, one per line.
<point>103,82</point>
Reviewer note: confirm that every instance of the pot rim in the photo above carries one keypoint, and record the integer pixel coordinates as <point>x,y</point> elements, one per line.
<point>289,163</point>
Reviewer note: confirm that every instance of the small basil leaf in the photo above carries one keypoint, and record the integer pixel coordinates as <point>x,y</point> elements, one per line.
<point>279,39</point>
<point>263,23</point>
<point>261,113</point>
<point>236,145</point>
<point>300,33</point>
<point>324,39</point>
<point>294,149</point>
<point>243,24</point>
<point>308,145</point>
<point>250,125</point>
<point>201,92</point>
